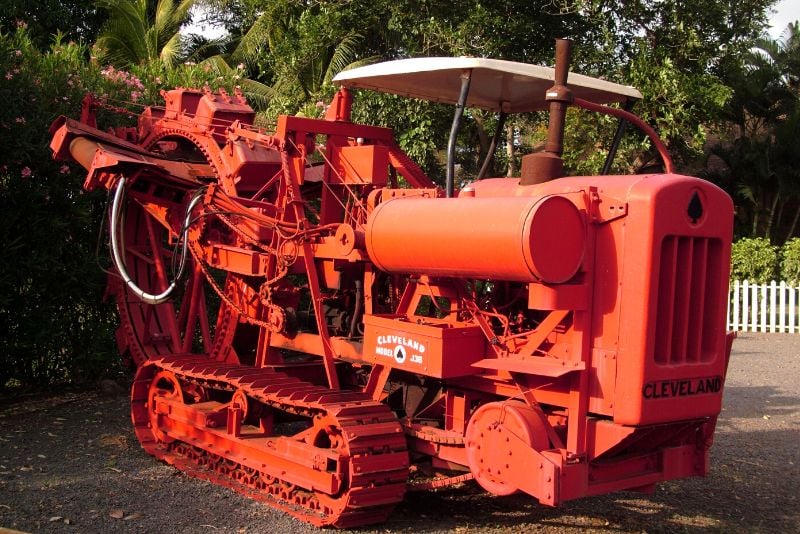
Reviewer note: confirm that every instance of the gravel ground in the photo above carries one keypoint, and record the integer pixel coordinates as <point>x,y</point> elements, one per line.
<point>70,463</point>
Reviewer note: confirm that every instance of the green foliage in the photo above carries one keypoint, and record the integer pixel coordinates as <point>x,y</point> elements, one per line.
<point>674,51</point>
<point>54,325</point>
<point>139,31</point>
<point>754,259</point>
<point>760,167</point>
<point>680,104</point>
<point>790,261</point>
<point>50,321</point>
<point>418,125</point>
<point>518,30</point>
<point>74,19</point>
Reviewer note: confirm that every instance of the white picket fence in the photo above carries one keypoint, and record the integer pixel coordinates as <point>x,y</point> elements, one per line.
<point>763,307</point>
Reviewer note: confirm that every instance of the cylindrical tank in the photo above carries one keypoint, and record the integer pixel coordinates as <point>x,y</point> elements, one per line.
<point>520,239</point>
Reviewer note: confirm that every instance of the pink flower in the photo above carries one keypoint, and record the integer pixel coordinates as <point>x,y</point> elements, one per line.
<point>20,120</point>
<point>17,53</point>
<point>9,76</point>
<point>64,169</point>
<point>320,104</point>
<point>240,66</point>
<point>25,172</point>
<point>157,79</point>
<point>135,95</point>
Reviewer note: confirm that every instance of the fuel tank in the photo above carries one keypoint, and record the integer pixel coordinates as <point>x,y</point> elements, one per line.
<point>521,239</point>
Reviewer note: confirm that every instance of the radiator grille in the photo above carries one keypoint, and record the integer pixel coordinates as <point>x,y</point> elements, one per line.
<point>688,299</point>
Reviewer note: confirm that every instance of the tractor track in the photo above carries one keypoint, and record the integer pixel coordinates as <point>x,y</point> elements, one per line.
<point>373,447</point>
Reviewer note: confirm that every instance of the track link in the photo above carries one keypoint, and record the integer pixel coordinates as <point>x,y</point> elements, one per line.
<point>371,447</point>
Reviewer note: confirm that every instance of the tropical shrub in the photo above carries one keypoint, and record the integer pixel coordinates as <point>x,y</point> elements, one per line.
<point>790,261</point>
<point>54,325</point>
<point>754,259</point>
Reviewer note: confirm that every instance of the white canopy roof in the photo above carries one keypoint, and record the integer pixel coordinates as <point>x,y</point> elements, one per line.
<point>494,82</point>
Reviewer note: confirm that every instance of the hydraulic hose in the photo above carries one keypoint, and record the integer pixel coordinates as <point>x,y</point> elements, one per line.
<point>117,234</point>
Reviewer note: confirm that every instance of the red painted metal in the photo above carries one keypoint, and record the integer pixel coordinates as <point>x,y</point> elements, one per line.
<point>562,339</point>
<point>509,238</point>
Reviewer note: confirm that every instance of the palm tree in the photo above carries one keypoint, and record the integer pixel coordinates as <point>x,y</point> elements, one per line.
<point>295,50</point>
<point>300,55</point>
<point>138,31</point>
<point>762,162</point>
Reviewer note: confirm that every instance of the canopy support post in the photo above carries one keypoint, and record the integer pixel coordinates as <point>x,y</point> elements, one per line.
<point>612,152</point>
<point>466,77</point>
<point>501,122</point>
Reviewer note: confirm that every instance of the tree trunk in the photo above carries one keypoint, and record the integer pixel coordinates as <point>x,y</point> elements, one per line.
<point>794,224</point>
<point>771,216</point>
<point>483,140</point>
<point>779,217</point>
<point>512,165</point>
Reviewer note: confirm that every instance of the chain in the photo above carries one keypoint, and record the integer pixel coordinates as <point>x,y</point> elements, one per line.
<point>220,293</point>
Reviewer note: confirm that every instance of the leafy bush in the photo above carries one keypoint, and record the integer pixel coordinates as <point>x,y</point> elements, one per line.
<point>54,326</point>
<point>790,261</point>
<point>416,124</point>
<point>754,259</point>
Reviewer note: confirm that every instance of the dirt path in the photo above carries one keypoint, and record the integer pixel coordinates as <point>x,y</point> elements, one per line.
<point>71,464</point>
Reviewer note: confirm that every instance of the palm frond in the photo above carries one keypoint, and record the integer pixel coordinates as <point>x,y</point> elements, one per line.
<point>198,48</point>
<point>171,51</point>
<point>253,41</point>
<point>257,93</point>
<point>361,63</point>
<point>134,33</point>
<point>217,64</point>
<point>344,54</point>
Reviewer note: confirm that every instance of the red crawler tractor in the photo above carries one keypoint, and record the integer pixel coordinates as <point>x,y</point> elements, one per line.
<point>317,325</point>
